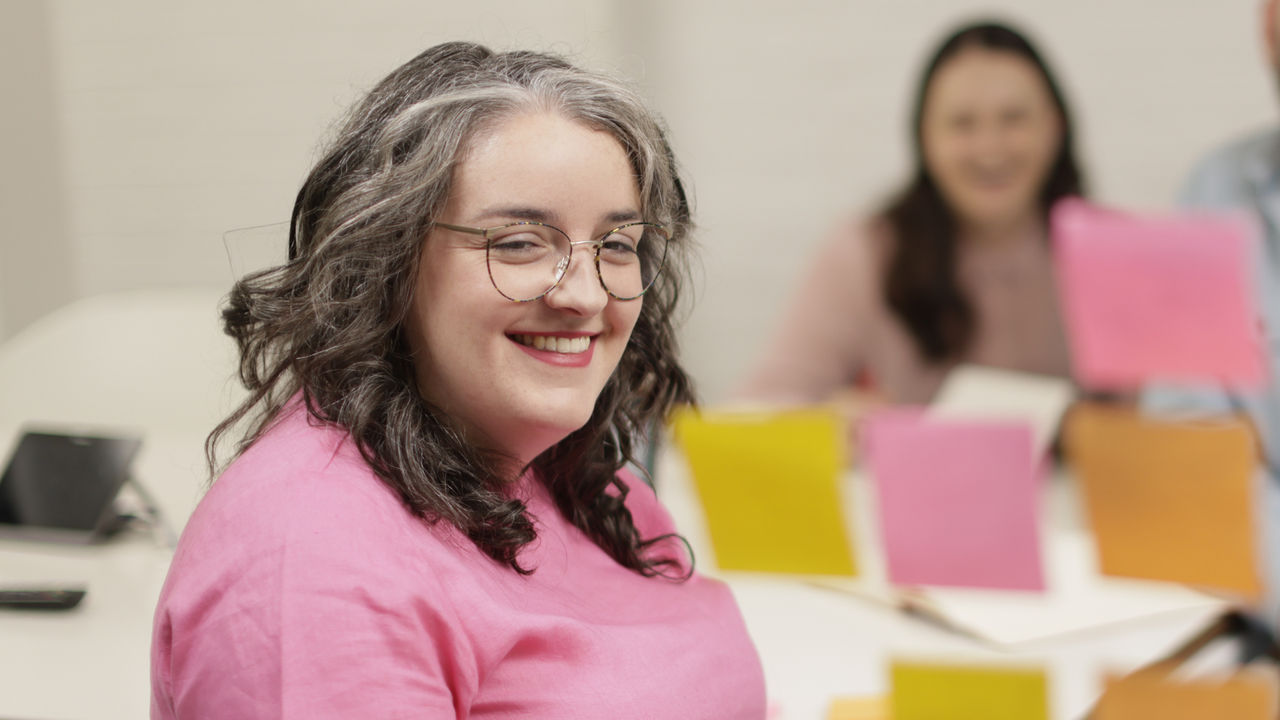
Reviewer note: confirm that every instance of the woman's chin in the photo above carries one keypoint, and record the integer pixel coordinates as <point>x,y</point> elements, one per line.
<point>533,435</point>
<point>997,208</point>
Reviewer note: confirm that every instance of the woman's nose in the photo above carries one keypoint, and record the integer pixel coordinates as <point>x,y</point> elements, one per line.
<point>579,289</point>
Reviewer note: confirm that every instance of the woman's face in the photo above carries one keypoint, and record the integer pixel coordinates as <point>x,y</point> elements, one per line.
<point>471,345</point>
<point>990,133</point>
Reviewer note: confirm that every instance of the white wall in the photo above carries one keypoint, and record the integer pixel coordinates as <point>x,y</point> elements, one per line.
<point>182,120</point>
<point>36,259</point>
<point>172,121</point>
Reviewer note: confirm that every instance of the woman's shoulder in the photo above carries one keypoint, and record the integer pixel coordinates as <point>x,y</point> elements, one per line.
<point>862,237</point>
<point>303,485</point>
<point>859,241</point>
<point>300,516</point>
<point>301,559</point>
<point>299,461</point>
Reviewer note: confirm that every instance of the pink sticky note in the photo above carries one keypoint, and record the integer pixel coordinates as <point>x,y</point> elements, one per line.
<point>1157,297</point>
<point>889,416</point>
<point>959,502</point>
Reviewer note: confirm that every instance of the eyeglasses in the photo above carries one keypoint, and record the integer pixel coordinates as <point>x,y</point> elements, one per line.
<point>527,260</point>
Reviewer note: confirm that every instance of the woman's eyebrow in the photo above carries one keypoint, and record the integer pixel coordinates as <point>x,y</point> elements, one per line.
<point>622,216</point>
<point>533,214</point>
<point>516,212</point>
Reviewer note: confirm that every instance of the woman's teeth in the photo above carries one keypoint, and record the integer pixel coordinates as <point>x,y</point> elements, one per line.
<point>569,346</point>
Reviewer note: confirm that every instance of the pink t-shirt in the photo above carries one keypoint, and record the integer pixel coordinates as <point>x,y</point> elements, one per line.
<point>303,588</point>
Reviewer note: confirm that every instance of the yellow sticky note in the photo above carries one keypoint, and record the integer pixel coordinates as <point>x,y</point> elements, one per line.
<point>1168,501</point>
<point>859,708</point>
<point>1142,696</point>
<point>952,692</point>
<point>769,486</point>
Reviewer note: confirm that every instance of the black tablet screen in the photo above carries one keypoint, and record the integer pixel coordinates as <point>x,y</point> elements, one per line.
<point>64,481</point>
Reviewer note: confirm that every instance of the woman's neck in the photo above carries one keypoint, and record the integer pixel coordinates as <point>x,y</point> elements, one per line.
<point>1002,232</point>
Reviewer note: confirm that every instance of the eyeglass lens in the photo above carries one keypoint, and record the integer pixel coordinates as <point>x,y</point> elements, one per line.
<point>526,260</point>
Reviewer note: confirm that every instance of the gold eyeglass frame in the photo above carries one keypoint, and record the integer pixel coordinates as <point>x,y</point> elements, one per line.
<point>566,260</point>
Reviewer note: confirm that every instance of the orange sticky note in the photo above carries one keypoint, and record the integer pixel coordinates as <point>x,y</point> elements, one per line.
<point>1167,500</point>
<point>769,486</point>
<point>952,692</point>
<point>1143,696</point>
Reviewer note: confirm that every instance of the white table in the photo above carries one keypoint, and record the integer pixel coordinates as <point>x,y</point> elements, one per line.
<point>150,362</point>
<point>90,662</point>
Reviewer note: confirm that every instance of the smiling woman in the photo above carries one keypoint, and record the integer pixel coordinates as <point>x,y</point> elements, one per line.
<point>427,516</point>
<point>956,268</point>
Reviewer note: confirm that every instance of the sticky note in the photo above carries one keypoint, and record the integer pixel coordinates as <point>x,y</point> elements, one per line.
<point>769,487</point>
<point>924,691</point>
<point>859,708</point>
<point>1168,500</point>
<point>1165,298</point>
<point>958,501</point>
<point>1142,696</point>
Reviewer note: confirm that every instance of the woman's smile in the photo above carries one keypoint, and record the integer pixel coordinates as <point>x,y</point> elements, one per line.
<point>564,344</point>
<point>564,350</point>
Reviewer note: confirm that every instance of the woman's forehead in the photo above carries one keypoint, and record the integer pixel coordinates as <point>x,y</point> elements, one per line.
<point>543,162</point>
<point>978,78</point>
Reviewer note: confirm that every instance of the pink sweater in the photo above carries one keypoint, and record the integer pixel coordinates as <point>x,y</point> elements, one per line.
<point>303,588</point>
<point>839,327</point>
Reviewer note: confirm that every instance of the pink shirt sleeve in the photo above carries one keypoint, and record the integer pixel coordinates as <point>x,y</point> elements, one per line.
<point>306,613</point>
<point>820,344</point>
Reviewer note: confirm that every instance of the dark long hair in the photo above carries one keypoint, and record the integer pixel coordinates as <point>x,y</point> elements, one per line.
<point>922,287</point>
<point>329,323</point>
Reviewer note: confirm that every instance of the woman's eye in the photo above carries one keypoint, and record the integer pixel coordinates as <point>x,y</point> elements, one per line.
<point>618,249</point>
<point>619,245</point>
<point>517,243</point>
<point>521,247</point>
<point>1014,117</point>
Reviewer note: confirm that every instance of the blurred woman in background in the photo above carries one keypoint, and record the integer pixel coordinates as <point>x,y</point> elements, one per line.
<point>956,268</point>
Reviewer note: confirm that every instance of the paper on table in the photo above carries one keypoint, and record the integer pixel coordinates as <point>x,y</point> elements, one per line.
<point>1076,598</point>
<point>958,500</point>
<point>1142,696</point>
<point>1168,500</point>
<point>973,392</point>
<point>927,691</point>
<point>1157,297</point>
<point>768,484</point>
